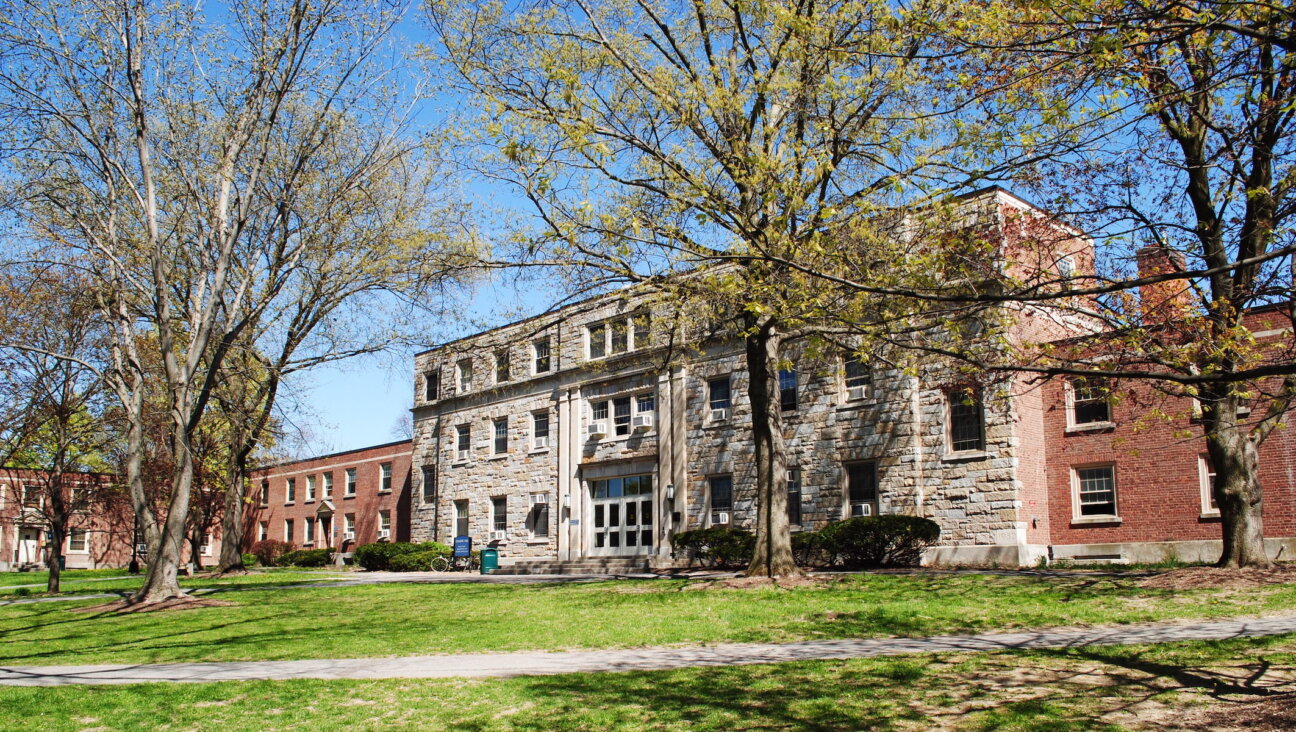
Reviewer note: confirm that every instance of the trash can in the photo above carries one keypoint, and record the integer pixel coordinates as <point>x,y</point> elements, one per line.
<point>62,563</point>
<point>489,560</point>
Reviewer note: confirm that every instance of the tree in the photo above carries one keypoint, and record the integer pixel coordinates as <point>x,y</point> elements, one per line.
<point>196,164</point>
<point>703,147</point>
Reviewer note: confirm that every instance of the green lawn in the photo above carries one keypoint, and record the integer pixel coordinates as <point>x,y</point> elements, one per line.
<point>384,620</point>
<point>9,579</point>
<point>1073,690</point>
<point>93,581</point>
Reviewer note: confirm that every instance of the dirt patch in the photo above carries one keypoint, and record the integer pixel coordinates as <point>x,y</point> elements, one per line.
<point>1193,578</point>
<point>121,607</point>
<point>751,583</point>
<point>1266,715</point>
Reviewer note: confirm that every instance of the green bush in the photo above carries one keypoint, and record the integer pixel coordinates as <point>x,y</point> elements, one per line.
<point>249,560</point>
<point>413,562</point>
<point>879,541</point>
<point>718,546</point>
<point>377,557</point>
<point>305,558</point>
<point>808,549</point>
<point>268,550</point>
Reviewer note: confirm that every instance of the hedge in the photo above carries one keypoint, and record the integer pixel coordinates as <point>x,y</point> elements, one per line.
<point>718,546</point>
<point>306,558</point>
<point>268,550</point>
<point>378,557</point>
<point>892,540</point>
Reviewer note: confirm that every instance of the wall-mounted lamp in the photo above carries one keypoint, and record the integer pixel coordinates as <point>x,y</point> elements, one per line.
<point>670,491</point>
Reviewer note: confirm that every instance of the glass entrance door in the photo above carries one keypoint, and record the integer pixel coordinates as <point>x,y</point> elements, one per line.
<point>623,516</point>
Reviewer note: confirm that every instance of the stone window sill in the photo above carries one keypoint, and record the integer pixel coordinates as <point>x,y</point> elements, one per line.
<point>497,456</point>
<point>1207,515</point>
<point>538,450</point>
<point>348,497</point>
<point>1089,427</point>
<point>856,404</point>
<point>541,541</point>
<point>309,500</point>
<point>965,456</point>
<point>1088,520</point>
<point>290,503</point>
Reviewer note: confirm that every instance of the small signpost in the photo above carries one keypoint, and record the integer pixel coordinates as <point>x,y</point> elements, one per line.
<point>463,546</point>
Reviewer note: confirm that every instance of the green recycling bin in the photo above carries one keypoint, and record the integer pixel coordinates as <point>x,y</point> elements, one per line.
<point>489,560</point>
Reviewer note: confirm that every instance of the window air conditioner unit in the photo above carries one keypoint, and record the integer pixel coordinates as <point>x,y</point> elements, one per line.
<point>349,536</point>
<point>861,509</point>
<point>597,429</point>
<point>384,533</point>
<point>856,392</point>
<point>720,517</point>
<point>540,443</point>
<point>539,498</point>
<point>719,414</point>
<point>498,535</point>
<point>461,455</point>
<point>643,422</point>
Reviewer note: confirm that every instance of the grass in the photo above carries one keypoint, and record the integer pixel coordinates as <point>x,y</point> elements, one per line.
<point>1071,690</point>
<point>8,580</point>
<point>385,620</point>
<point>94,581</point>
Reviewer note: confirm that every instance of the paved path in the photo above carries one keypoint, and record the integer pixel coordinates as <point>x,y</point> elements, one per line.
<point>645,659</point>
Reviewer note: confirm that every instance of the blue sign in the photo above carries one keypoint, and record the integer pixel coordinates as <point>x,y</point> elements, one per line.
<point>463,546</point>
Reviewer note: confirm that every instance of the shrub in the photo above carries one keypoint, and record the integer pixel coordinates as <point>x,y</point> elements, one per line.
<point>268,550</point>
<point>718,546</point>
<point>420,561</point>
<point>808,549</point>
<point>880,541</point>
<point>249,559</point>
<point>306,558</point>
<point>377,557</point>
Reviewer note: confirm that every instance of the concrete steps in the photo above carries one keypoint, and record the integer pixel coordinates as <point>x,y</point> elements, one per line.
<point>588,565</point>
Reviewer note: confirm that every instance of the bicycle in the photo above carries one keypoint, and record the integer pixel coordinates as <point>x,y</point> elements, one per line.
<point>470,563</point>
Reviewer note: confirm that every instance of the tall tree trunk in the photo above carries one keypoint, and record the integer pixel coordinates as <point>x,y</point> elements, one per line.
<point>773,554</point>
<point>231,553</point>
<point>57,516</point>
<point>1236,459</point>
<point>162,581</point>
<point>56,535</point>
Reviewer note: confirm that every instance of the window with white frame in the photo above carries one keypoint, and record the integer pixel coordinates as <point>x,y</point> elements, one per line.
<point>1089,399</point>
<point>622,415</point>
<point>31,494</point>
<point>431,386</point>
<point>966,421</point>
<point>642,324</point>
<point>310,487</point>
<point>1065,267</point>
<point>463,441</point>
<point>290,492</point>
<point>265,493</point>
<point>464,375</point>
<point>1206,471</point>
<point>328,484</point>
<point>794,496</point>
<point>645,403</point>
<point>502,367</point>
<point>597,335</point>
<point>308,531</point>
<point>499,513</point>
<point>384,524</point>
<point>384,478</point>
<point>618,335</point>
<point>540,362</point>
<point>350,481</point>
<point>537,522</point>
<point>718,397</point>
<point>263,530</point>
<point>288,530</point>
<point>499,442</point>
<point>787,382</point>
<point>862,489</point>
<point>348,525</point>
<point>461,517</point>
<point>77,542</point>
<point>206,548</point>
<point>857,378</point>
<point>539,430</point>
<point>1095,491</point>
<point>720,496</point>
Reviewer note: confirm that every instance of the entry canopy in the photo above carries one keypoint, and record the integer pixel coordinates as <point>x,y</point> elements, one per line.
<point>325,508</point>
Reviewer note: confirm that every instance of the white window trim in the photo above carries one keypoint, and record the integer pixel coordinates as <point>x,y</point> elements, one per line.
<point>548,430</point>
<point>1068,390</point>
<point>391,477</point>
<point>288,528</point>
<point>950,452</point>
<point>263,530</point>
<point>710,411</point>
<point>460,386</point>
<point>1076,516</point>
<point>310,489</point>
<point>494,436</point>
<point>350,482</point>
<point>535,357</point>
<point>1203,478</point>
<point>868,389</point>
<point>610,420</point>
<point>607,326</point>
<point>78,552</point>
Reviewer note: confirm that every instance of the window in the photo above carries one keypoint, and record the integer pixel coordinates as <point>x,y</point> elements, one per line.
<point>598,410</point>
<point>465,374</point>
<point>858,379</point>
<point>461,518</point>
<point>861,488</point>
<point>642,329</point>
<point>463,441</point>
<point>721,498</point>
<point>265,493</point>
<point>501,367</point>
<point>645,403</point>
<point>500,445</point>
<point>431,386</point>
<point>794,496</point>
<point>288,530</point>
<point>30,494</point>
<point>310,487</point>
<point>350,481</point>
<point>620,336</point>
<point>429,486</point>
<point>540,352</point>
<point>499,513</point>
<point>290,493</point>
<point>308,532</point>
<point>1065,267</point>
<point>1096,491</point>
<point>385,478</point>
<point>1089,403</point>
<point>539,430</point>
<point>965,431</point>
<point>621,415</point>
<point>787,389</point>
<point>348,524</point>
<point>263,530</point>
<point>384,524</point>
<point>538,517</point>
<point>1207,473</point>
<point>718,396</point>
<point>328,485</point>
<point>597,341</point>
<point>77,543</point>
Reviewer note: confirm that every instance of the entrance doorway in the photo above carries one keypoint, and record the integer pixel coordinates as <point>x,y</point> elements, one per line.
<point>623,516</point>
<point>28,546</point>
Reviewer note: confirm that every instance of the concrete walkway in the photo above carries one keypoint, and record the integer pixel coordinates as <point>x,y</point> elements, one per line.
<point>645,659</point>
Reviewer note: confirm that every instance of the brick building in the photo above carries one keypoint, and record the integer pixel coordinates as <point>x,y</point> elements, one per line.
<point>99,532</point>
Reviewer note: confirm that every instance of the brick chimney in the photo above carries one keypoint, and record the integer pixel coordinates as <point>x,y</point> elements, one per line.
<point>1162,302</point>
